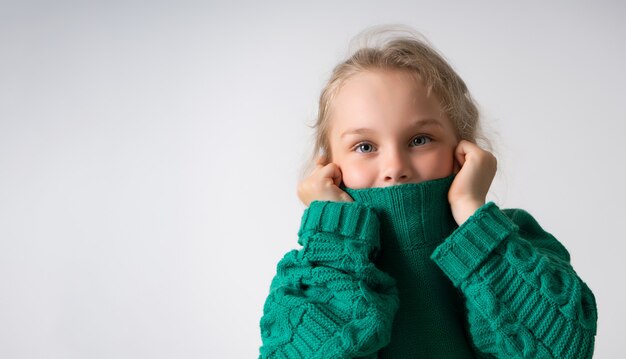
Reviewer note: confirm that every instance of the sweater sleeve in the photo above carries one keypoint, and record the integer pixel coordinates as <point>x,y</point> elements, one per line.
<point>523,298</point>
<point>328,299</point>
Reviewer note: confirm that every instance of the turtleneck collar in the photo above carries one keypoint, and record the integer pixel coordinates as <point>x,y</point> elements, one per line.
<point>412,215</point>
<point>414,220</point>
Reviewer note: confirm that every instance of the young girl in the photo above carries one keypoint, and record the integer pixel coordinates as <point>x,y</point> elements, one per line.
<point>401,257</point>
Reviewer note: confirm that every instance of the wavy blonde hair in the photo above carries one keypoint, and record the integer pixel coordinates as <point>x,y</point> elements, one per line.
<point>398,47</point>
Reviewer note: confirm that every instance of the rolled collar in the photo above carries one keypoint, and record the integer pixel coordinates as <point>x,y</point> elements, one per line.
<point>411,215</point>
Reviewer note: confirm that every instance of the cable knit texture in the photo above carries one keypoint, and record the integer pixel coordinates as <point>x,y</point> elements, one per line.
<point>391,275</point>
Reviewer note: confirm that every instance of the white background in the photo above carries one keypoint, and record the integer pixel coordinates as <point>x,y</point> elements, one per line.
<point>149,155</point>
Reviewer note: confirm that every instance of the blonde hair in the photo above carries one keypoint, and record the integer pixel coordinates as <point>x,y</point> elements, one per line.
<point>400,47</point>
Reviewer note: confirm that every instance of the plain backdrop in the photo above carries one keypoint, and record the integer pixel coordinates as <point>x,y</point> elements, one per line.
<point>149,155</point>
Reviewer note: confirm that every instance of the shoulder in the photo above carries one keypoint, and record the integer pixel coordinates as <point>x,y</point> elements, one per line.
<point>530,230</point>
<point>522,218</point>
<point>526,223</point>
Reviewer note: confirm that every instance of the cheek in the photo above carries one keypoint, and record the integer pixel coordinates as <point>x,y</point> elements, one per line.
<point>356,176</point>
<point>438,165</point>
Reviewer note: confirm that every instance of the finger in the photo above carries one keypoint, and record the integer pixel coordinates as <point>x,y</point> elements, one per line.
<point>329,171</point>
<point>336,175</point>
<point>457,166</point>
<point>460,152</point>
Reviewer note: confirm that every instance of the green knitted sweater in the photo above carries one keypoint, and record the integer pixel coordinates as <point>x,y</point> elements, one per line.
<point>391,275</point>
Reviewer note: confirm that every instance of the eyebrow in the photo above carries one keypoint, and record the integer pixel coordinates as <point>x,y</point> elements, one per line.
<point>416,124</point>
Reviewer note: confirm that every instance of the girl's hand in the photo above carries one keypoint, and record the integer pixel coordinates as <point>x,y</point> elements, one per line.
<point>323,184</point>
<point>476,170</point>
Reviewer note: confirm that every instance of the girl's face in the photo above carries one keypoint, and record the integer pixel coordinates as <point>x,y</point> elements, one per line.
<point>385,131</point>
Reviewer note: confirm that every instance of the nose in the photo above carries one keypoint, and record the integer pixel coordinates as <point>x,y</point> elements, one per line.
<point>396,168</point>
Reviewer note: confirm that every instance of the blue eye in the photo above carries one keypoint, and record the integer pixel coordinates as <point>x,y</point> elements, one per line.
<point>365,147</point>
<point>420,140</point>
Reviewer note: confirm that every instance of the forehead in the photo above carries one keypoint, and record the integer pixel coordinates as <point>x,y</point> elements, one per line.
<point>383,98</point>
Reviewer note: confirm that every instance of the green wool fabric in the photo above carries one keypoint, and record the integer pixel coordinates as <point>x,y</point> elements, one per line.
<point>391,275</point>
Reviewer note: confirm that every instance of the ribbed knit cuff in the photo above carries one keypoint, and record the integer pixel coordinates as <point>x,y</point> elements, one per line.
<point>349,219</point>
<point>341,235</point>
<point>468,246</point>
